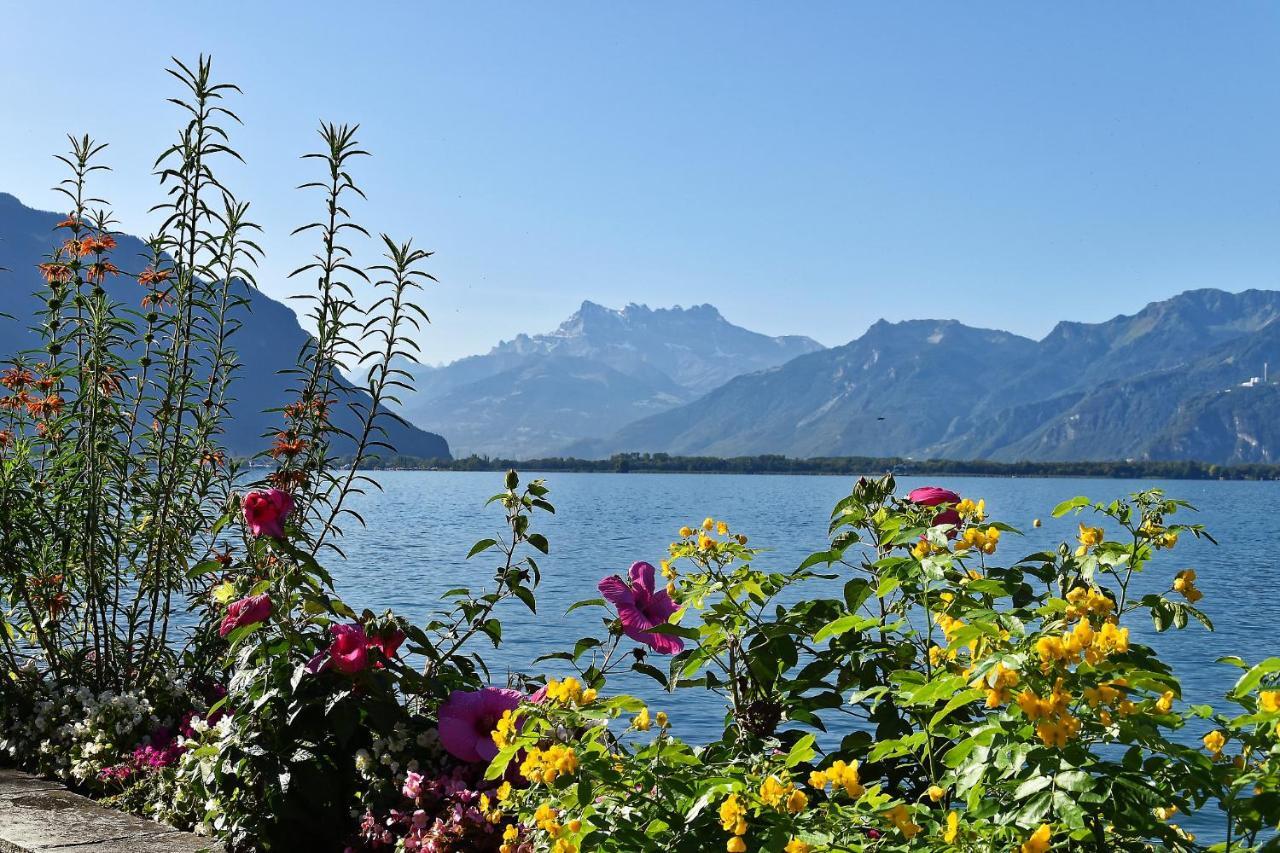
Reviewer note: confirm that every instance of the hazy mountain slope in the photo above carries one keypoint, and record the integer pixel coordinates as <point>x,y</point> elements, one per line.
<point>536,408</point>
<point>599,370</point>
<point>888,392</point>
<point>1152,384</point>
<point>267,343</point>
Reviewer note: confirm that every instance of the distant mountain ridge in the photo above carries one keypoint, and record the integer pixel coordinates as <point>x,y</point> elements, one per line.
<point>599,370</point>
<point>268,341</point>
<point>1165,383</point>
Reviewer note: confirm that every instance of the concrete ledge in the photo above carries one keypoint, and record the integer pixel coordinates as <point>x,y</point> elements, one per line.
<point>38,815</point>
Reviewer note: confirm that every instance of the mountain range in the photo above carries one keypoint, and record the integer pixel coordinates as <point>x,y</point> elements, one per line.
<point>1174,381</point>
<point>598,371</point>
<point>267,343</point>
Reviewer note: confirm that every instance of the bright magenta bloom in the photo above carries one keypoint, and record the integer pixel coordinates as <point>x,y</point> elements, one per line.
<point>641,608</point>
<point>246,611</point>
<point>349,652</point>
<point>387,643</point>
<point>934,496</point>
<point>265,512</point>
<point>468,718</point>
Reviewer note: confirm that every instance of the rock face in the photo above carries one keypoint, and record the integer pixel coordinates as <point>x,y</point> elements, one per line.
<point>1170,382</point>
<point>267,343</point>
<point>602,368</point>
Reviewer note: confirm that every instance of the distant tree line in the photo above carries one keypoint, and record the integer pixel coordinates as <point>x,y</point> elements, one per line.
<point>842,465</point>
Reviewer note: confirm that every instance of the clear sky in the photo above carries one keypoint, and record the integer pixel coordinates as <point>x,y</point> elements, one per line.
<point>806,167</point>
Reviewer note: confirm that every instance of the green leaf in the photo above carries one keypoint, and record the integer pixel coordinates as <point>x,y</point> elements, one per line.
<point>843,625</point>
<point>482,545</point>
<point>1067,506</point>
<point>801,751</point>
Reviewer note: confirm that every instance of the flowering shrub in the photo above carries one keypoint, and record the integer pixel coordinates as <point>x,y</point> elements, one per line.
<point>170,640</point>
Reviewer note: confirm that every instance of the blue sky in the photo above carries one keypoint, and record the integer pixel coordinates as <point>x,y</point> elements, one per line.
<point>808,168</point>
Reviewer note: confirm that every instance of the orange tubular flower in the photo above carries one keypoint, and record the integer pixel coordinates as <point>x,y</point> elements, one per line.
<point>98,271</point>
<point>97,245</point>
<point>16,378</point>
<point>55,273</point>
<point>151,276</point>
<point>70,222</point>
<point>288,446</point>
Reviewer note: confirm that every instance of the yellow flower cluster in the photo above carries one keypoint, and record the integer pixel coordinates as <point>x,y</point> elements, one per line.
<point>1090,538</point>
<point>705,541</point>
<point>1040,841</point>
<point>1055,724</point>
<point>1086,601</point>
<point>1082,641</point>
<point>570,691</point>
<point>978,539</point>
<point>998,683</point>
<point>506,729</point>
<point>1159,536</point>
<point>733,817</point>
<point>1269,701</point>
<point>971,511</point>
<point>548,820</point>
<point>1110,693</point>
<point>948,623</point>
<point>925,548</point>
<point>901,818</point>
<point>547,765</point>
<point>642,721</point>
<point>795,845</point>
<point>838,775</point>
<point>783,796</point>
<point>1185,583</point>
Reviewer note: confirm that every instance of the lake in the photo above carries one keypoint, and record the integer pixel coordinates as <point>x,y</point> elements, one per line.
<point>421,526</point>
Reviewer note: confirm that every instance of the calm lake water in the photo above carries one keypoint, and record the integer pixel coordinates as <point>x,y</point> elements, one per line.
<point>422,524</point>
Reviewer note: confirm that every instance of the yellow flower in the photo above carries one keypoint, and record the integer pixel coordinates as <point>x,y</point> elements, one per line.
<point>1214,742</point>
<point>732,813</point>
<point>1185,582</point>
<point>547,765</point>
<point>795,845</point>
<point>972,511</point>
<point>588,696</point>
<point>506,730</point>
<point>1269,701</point>
<point>642,722</point>
<point>1165,703</point>
<point>708,523</point>
<point>510,833</point>
<point>504,793</point>
<point>797,801</point>
<point>1166,812</point>
<point>1090,537</point>
<point>722,528</point>
<point>901,818</point>
<point>772,791</point>
<point>935,793</point>
<point>685,532</point>
<point>952,832</point>
<point>661,719</point>
<point>736,845</point>
<point>1039,842</point>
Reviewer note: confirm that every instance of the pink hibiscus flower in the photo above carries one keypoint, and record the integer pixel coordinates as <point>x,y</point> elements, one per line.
<point>641,608</point>
<point>246,611</point>
<point>468,718</point>
<point>348,653</point>
<point>388,643</point>
<point>265,512</point>
<point>935,496</point>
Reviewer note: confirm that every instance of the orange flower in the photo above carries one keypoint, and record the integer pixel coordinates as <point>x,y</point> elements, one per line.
<point>99,270</point>
<point>6,438</point>
<point>287,445</point>
<point>16,378</point>
<point>97,245</point>
<point>287,481</point>
<point>73,248</point>
<point>50,405</point>
<point>152,276</point>
<point>69,222</point>
<point>46,383</point>
<point>154,299</point>
<point>55,273</point>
